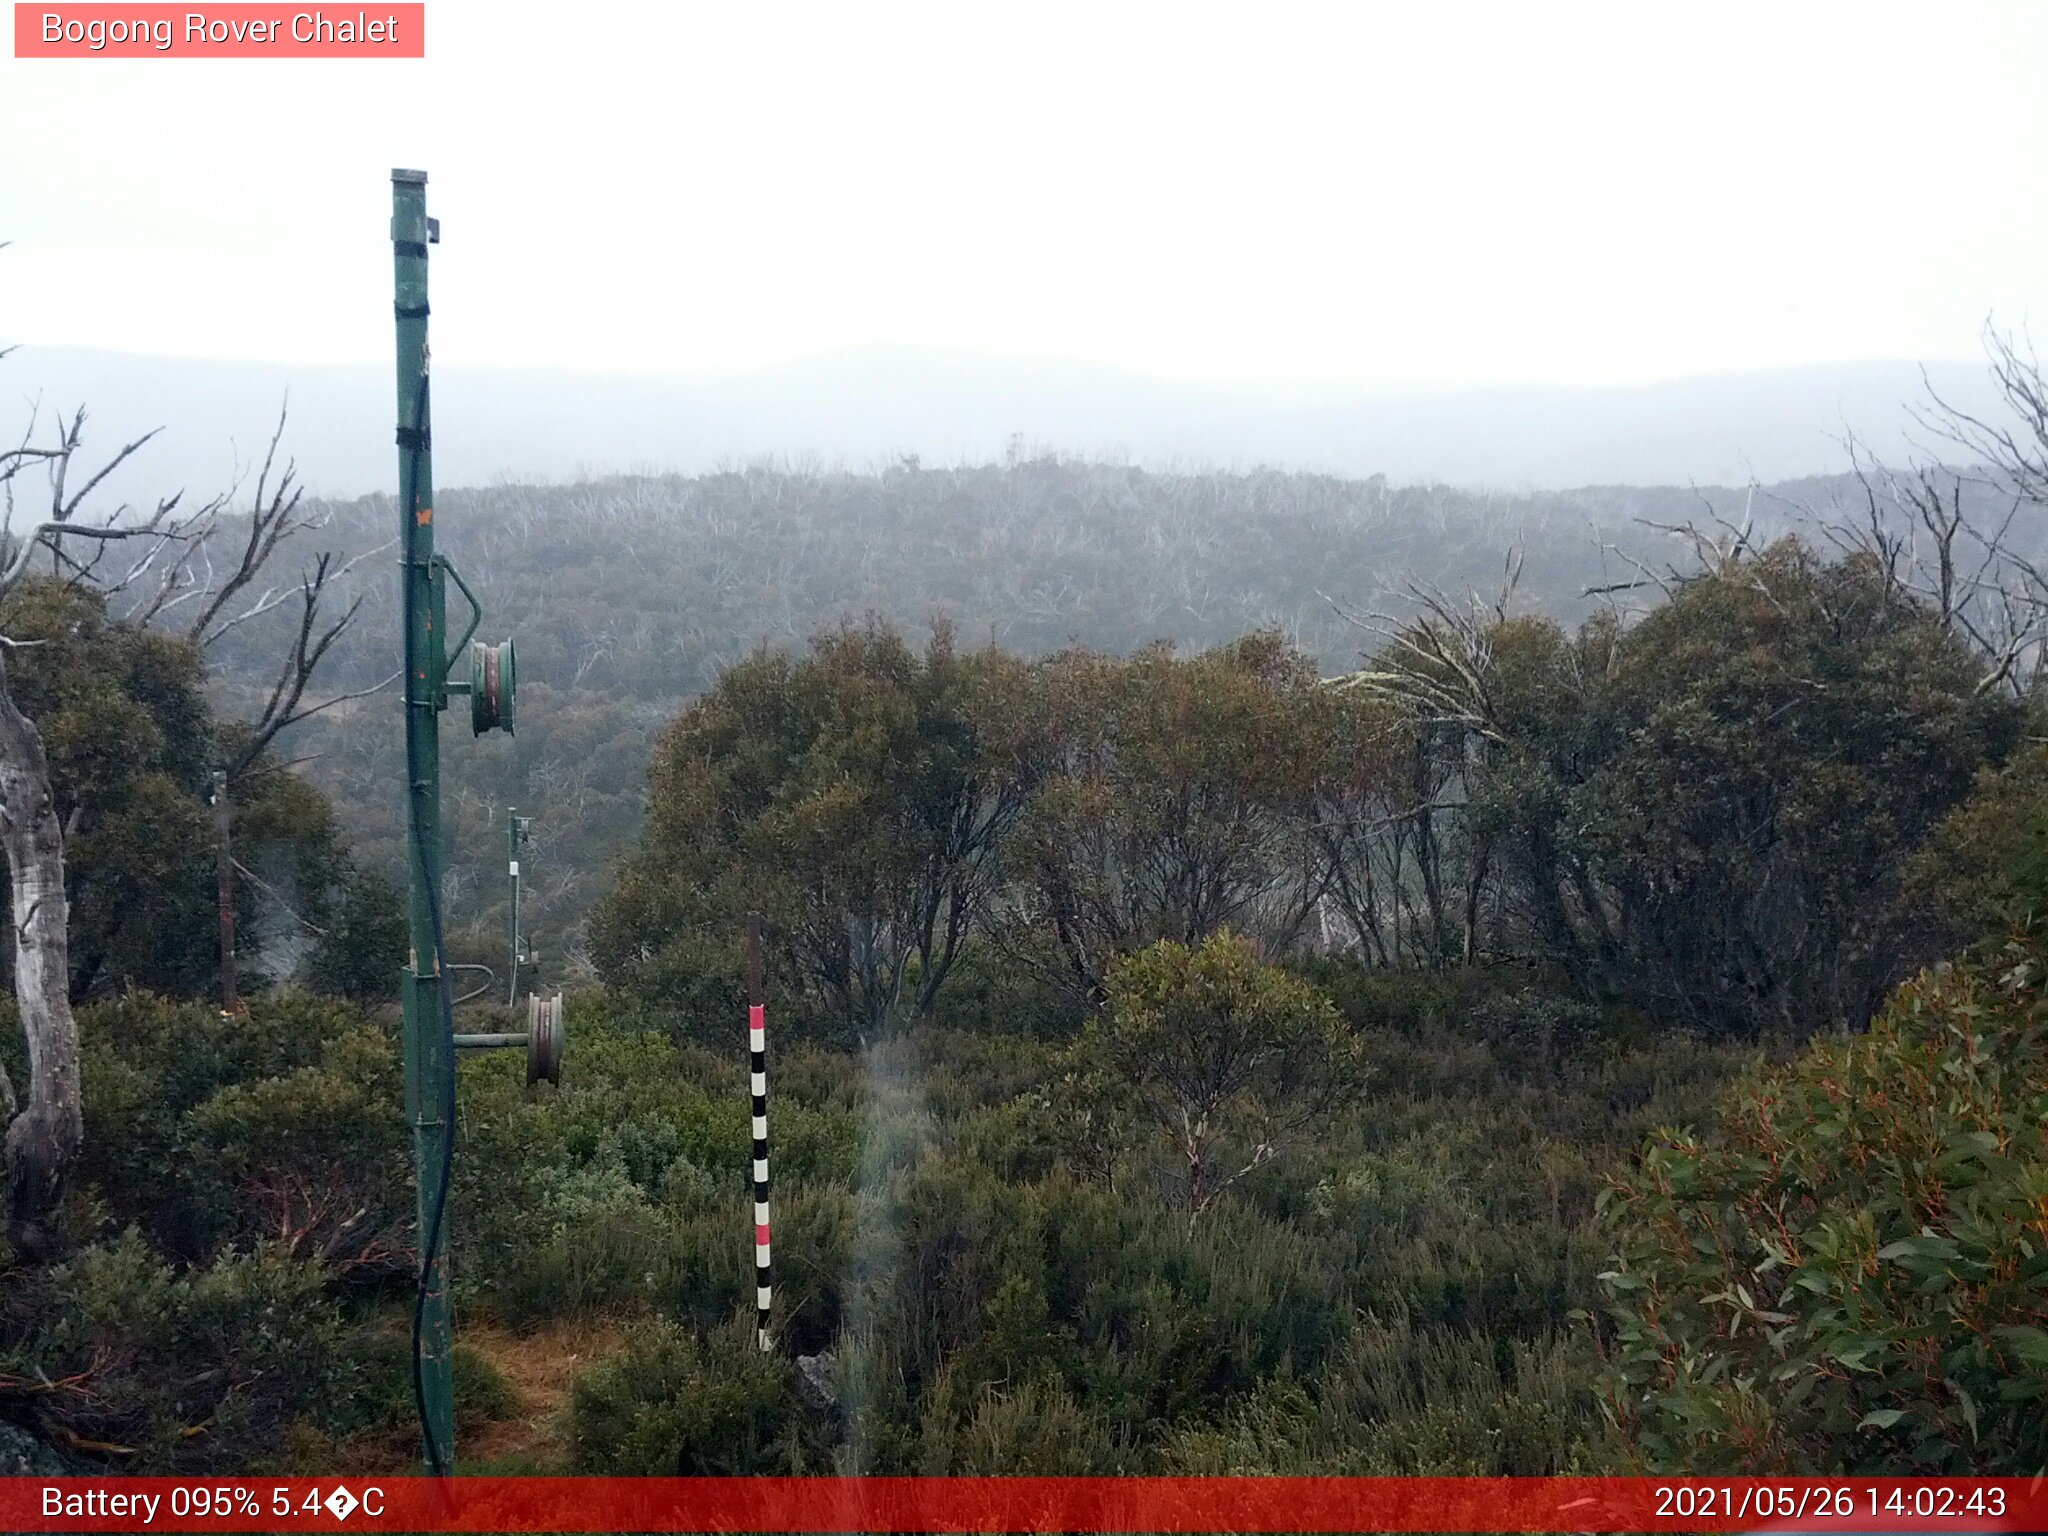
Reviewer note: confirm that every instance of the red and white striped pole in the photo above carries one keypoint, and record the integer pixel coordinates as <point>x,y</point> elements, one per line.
<point>757,1066</point>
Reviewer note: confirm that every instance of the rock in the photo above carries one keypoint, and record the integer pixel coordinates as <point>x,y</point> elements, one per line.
<point>23,1455</point>
<point>816,1373</point>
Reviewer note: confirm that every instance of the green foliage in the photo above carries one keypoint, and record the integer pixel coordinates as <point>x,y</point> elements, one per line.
<point>1570,863</point>
<point>1020,986</point>
<point>132,742</point>
<point>1714,810</point>
<point>632,594</point>
<point>1404,1272</point>
<point>619,1188</point>
<point>124,722</point>
<point>1228,1059</point>
<point>1853,1274</point>
<point>1033,1420</point>
<point>1986,864</point>
<point>366,942</point>
<point>856,796</point>
<point>1441,1402</point>
<point>284,1124</point>
<point>683,1404</point>
<point>1715,814</point>
<point>1172,800</point>
<point>263,1164</point>
<point>251,1360</point>
<point>316,1156</point>
<point>191,1370</point>
<point>1386,1297</point>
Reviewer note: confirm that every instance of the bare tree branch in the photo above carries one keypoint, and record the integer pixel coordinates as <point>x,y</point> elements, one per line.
<point>273,518</point>
<point>310,643</point>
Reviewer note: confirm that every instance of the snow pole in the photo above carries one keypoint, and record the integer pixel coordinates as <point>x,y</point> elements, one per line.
<point>757,1068</point>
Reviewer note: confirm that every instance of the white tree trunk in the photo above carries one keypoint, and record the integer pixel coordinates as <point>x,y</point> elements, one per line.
<point>43,1138</point>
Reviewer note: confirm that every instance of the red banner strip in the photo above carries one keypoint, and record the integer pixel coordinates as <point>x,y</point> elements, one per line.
<point>376,30</point>
<point>1078,1504</point>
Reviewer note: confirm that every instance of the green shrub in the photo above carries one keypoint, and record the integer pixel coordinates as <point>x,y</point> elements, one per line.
<point>1406,1401</point>
<point>1418,1005</point>
<point>1853,1274</point>
<point>284,1123</point>
<point>1021,987</point>
<point>1230,1061</point>
<point>991,1304</point>
<point>366,943</point>
<point>1034,1421</point>
<point>243,1178</point>
<point>677,1403</point>
<point>190,1370</point>
<point>317,1159</point>
<point>1535,1035</point>
<point>631,1186</point>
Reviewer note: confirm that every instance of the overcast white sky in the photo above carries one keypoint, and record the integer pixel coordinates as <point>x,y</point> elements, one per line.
<point>1526,193</point>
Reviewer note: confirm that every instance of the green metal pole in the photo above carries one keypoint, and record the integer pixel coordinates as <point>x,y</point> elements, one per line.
<point>429,1064</point>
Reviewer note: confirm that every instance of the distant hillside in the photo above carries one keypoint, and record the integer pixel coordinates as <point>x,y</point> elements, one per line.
<point>628,595</point>
<point>868,407</point>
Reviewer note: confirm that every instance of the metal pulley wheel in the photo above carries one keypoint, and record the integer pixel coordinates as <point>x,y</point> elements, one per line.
<point>493,690</point>
<point>544,1038</point>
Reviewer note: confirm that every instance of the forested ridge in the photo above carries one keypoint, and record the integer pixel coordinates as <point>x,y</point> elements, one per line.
<point>1267,973</point>
<point>630,595</point>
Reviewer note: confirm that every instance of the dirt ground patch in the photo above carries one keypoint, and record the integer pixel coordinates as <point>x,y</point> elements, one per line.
<point>541,1366</point>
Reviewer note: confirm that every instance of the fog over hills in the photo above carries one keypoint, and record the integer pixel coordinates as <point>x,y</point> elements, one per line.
<point>873,405</point>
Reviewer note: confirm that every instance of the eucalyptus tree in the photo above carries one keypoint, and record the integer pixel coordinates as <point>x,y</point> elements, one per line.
<point>191,571</point>
<point>1712,809</point>
<point>1176,800</point>
<point>858,795</point>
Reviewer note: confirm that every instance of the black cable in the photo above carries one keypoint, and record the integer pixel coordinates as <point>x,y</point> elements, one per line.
<point>437,1454</point>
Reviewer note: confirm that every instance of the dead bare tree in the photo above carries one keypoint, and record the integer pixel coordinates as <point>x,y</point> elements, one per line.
<point>1936,536</point>
<point>2015,449</point>
<point>1960,528</point>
